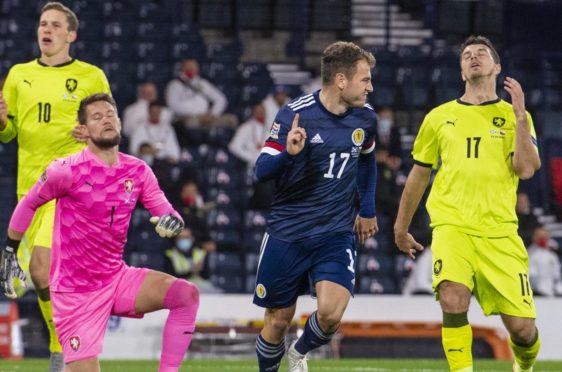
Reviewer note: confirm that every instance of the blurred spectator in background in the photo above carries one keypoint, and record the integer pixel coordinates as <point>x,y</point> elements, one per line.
<point>196,101</point>
<point>556,184</point>
<point>420,279</point>
<point>544,265</point>
<point>185,259</point>
<point>137,113</point>
<point>314,84</point>
<point>249,137</point>
<point>194,211</point>
<point>527,219</point>
<point>390,178</point>
<point>387,137</point>
<point>162,168</point>
<point>2,80</point>
<point>272,103</point>
<point>246,145</point>
<point>156,130</point>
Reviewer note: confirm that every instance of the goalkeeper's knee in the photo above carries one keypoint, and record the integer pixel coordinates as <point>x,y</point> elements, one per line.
<point>181,294</point>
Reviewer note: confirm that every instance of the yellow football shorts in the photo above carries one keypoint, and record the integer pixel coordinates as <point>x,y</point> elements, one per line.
<point>496,270</point>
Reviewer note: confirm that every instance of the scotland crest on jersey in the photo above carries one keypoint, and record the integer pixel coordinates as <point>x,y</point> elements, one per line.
<point>358,137</point>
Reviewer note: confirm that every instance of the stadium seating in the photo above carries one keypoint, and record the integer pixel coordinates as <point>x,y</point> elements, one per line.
<point>228,273</point>
<point>138,41</point>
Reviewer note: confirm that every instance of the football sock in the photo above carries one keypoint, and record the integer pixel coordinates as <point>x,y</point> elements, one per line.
<point>182,299</point>
<point>44,301</point>
<point>313,336</point>
<point>526,355</point>
<point>456,336</point>
<point>269,355</point>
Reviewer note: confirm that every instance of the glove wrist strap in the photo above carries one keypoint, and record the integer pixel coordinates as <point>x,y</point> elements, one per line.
<point>12,243</point>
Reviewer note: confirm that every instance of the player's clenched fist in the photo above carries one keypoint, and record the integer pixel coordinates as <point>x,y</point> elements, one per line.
<point>296,137</point>
<point>167,226</point>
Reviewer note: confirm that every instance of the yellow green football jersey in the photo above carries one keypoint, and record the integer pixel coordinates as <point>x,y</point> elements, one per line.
<point>475,188</point>
<point>42,110</point>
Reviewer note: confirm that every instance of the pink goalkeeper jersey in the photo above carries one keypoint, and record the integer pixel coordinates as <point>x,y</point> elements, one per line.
<point>94,207</point>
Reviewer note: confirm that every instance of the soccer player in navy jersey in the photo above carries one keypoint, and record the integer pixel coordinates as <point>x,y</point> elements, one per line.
<point>320,154</point>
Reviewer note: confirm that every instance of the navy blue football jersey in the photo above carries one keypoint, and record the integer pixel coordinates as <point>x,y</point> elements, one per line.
<point>315,193</point>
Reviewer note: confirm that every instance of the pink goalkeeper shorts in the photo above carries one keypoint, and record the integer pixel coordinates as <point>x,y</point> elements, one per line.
<point>81,318</point>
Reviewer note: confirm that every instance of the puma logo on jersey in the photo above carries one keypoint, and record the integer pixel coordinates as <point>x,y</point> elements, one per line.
<point>458,350</point>
<point>526,302</point>
<point>317,139</point>
<point>28,82</point>
<point>451,122</point>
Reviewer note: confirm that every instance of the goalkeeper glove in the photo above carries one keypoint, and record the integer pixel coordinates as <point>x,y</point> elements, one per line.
<point>168,225</point>
<point>10,268</point>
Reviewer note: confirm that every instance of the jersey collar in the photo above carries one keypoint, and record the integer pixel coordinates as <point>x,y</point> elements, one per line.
<point>459,101</point>
<point>59,65</point>
<point>317,98</point>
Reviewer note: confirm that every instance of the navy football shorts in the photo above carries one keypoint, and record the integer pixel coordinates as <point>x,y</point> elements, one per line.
<point>287,270</point>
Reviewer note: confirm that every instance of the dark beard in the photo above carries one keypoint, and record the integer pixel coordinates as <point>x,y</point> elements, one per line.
<point>107,143</point>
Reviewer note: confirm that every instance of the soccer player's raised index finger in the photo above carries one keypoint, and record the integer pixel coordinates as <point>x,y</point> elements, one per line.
<point>295,121</point>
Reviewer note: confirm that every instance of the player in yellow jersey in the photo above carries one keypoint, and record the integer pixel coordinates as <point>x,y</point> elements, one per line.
<point>38,104</point>
<point>481,146</point>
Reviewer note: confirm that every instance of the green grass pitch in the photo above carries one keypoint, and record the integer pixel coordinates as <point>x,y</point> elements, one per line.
<point>339,365</point>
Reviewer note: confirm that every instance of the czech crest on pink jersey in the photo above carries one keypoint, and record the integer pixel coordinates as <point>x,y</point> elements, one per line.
<point>129,184</point>
<point>75,342</point>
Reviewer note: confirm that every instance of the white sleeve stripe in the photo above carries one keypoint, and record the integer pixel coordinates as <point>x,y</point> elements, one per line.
<point>301,100</point>
<point>303,105</point>
<point>270,150</point>
<point>369,149</point>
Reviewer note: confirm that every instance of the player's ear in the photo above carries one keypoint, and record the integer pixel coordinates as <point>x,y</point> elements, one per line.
<point>340,80</point>
<point>498,68</point>
<point>71,37</point>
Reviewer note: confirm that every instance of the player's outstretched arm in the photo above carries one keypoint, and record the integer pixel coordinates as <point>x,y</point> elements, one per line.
<point>416,184</point>
<point>168,225</point>
<point>9,266</point>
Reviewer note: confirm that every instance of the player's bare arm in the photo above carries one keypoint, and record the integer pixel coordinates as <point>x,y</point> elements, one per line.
<point>3,112</point>
<point>525,157</point>
<point>296,137</point>
<point>413,192</point>
<point>365,228</point>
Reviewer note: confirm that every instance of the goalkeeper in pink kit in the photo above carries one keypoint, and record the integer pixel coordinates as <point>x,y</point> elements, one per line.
<point>96,191</point>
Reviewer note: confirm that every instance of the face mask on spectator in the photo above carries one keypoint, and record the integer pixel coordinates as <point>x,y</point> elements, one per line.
<point>542,242</point>
<point>260,118</point>
<point>184,244</point>
<point>188,201</point>
<point>385,125</point>
<point>148,159</point>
